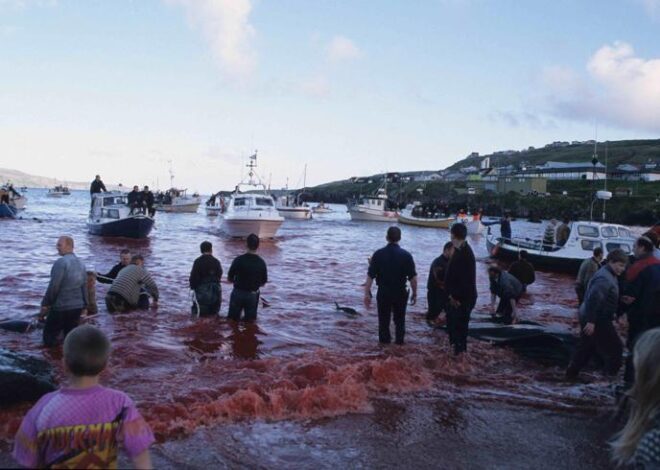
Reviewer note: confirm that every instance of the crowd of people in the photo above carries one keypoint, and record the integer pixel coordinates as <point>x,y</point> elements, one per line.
<point>615,289</point>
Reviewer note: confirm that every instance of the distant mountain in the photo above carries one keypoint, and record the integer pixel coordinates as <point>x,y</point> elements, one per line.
<point>18,179</point>
<point>618,152</point>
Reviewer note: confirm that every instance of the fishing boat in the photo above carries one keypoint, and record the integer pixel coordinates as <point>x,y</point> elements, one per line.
<point>291,206</point>
<point>251,210</point>
<point>13,197</point>
<point>373,208</point>
<point>7,211</point>
<point>111,216</point>
<point>58,191</point>
<point>414,214</point>
<point>176,200</point>
<point>321,208</point>
<point>215,205</point>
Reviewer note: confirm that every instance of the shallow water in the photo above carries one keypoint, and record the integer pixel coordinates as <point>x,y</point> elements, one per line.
<point>303,360</point>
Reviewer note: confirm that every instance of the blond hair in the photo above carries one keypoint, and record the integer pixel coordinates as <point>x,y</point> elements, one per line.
<point>644,397</point>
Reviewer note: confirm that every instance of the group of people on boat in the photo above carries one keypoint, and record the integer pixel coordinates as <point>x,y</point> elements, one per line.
<point>140,201</point>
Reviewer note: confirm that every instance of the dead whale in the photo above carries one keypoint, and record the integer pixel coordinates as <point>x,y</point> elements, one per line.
<point>24,377</point>
<point>349,310</point>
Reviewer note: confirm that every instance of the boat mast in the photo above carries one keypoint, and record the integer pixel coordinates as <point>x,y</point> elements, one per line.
<point>171,175</point>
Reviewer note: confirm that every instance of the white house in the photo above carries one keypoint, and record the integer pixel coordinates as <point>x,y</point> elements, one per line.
<point>567,171</point>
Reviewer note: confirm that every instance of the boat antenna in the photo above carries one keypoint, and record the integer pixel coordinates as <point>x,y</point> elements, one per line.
<point>171,174</point>
<point>605,201</point>
<point>594,162</point>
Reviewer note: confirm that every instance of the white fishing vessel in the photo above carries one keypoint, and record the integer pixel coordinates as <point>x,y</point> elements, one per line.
<point>176,200</point>
<point>373,208</point>
<point>58,191</point>
<point>215,205</point>
<point>415,214</point>
<point>291,207</point>
<point>16,199</point>
<point>251,210</point>
<point>111,216</point>
<point>321,208</point>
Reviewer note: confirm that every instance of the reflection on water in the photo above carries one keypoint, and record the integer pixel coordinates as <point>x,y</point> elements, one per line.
<point>302,359</point>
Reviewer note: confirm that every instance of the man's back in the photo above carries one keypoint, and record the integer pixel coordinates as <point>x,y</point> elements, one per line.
<point>130,280</point>
<point>437,273</point>
<point>248,272</point>
<point>523,270</point>
<point>392,266</point>
<point>205,269</point>
<point>461,276</point>
<point>67,289</point>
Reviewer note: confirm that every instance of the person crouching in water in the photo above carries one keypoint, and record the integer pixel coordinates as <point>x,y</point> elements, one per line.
<point>83,424</point>
<point>391,267</point>
<point>523,270</point>
<point>509,289</point>
<point>638,443</point>
<point>205,282</point>
<point>248,273</point>
<point>436,294</point>
<point>126,291</point>
<point>596,314</point>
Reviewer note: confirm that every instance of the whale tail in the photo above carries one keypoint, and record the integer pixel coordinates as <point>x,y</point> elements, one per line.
<point>337,306</point>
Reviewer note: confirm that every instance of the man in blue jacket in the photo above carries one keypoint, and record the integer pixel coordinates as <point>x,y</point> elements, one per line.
<point>66,297</point>
<point>596,315</point>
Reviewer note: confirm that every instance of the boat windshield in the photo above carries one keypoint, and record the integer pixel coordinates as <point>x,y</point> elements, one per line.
<point>264,201</point>
<point>624,233</point>
<point>240,201</point>
<point>609,232</point>
<point>588,231</point>
<point>621,246</point>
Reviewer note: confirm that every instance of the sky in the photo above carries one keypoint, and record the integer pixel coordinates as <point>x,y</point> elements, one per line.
<point>344,87</point>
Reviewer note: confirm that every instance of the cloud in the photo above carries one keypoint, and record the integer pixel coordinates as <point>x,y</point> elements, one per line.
<point>524,119</point>
<point>342,49</point>
<point>619,88</point>
<point>226,27</point>
<point>652,7</point>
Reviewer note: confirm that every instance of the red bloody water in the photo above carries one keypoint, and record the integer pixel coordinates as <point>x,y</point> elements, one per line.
<point>303,359</point>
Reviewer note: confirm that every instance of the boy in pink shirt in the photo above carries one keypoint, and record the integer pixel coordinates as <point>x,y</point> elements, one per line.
<point>82,426</point>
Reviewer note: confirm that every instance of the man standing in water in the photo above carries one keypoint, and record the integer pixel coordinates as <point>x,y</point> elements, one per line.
<point>597,312</point>
<point>392,267</point>
<point>249,273</point>
<point>66,297</point>
<point>587,270</point>
<point>436,294</point>
<point>461,287</point>
<point>205,282</point>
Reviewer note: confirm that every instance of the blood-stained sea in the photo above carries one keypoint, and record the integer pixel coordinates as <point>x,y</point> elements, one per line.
<point>308,386</point>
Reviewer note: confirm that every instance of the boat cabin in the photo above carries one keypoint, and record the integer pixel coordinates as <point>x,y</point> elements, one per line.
<point>109,205</point>
<point>255,202</point>
<point>589,235</point>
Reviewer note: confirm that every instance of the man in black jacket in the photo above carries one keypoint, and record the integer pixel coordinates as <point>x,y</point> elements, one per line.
<point>97,186</point>
<point>435,286</point>
<point>205,282</point>
<point>523,270</point>
<point>135,199</point>
<point>249,273</point>
<point>461,287</point>
<point>392,267</point>
<point>124,260</point>
<point>148,201</point>
<point>596,314</point>
<point>509,289</point>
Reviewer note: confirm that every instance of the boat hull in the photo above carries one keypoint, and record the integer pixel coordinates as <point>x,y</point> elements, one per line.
<point>370,215</point>
<point>7,211</point>
<point>131,227</point>
<point>322,211</point>
<point>554,261</point>
<point>241,228</point>
<point>299,213</point>
<point>423,222</point>
<point>213,211</point>
<point>179,208</point>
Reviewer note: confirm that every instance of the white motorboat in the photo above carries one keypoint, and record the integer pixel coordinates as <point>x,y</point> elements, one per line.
<point>111,216</point>
<point>176,200</point>
<point>415,214</point>
<point>58,191</point>
<point>16,199</point>
<point>321,208</point>
<point>290,208</point>
<point>251,210</point>
<point>373,208</point>
<point>215,205</point>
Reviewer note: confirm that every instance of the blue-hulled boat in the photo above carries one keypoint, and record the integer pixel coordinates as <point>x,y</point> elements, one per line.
<point>111,216</point>
<point>7,211</point>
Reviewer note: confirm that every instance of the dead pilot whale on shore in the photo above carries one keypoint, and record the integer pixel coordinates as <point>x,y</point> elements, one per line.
<point>24,377</point>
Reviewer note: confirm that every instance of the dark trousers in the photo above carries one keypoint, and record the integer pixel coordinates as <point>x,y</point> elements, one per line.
<point>579,290</point>
<point>437,302</point>
<point>391,304</point>
<point>604,342</point>
<point>60,321</point>
<point>243,300</point>
<point>458,319</point>
<point>505,311</point>
<point>207,310</point>
<point>637,325</point>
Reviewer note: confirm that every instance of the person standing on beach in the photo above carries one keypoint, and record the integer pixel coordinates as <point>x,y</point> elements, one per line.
<point>597,313</point>
<point>587,270</point>
<point>392,267</point>
<point>66,298</point>
<point>248,273</point>
<point>461,287</point>
<point>205,282</point>
<point>435,286</point>
<point>642,297</point>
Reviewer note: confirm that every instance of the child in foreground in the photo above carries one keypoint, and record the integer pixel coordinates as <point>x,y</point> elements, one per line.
<point>81,426</point>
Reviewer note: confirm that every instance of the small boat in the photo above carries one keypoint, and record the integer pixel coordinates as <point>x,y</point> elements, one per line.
<point>414,214</point>
<point>321,208</point>
<point>373,208</point>
<point>58,191</point>
<point>7,211</point>
<point>215,205</point>
<point>111,216</point>
<point>13,197</point>
<point>251,210</point>
<point>176,200</point>
<point>290,207</point>
<point>583,238</point>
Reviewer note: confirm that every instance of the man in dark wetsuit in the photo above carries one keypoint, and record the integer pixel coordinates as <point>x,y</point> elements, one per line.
<point>148,201</point>
<point>509,289</point>
<point>392,267</point>
<point>124,260</point>
<point>461,287</point>
<point>435,286</point>
<point>505,228</point>
<point>97,186</point>
<point>642,297</point>
<point>249,273</point>
<point>205,282</point>
<point>523,270</point>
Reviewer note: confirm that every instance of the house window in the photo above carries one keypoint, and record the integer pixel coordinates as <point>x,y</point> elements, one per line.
<point>590,245</point>
<point>588,231</point>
